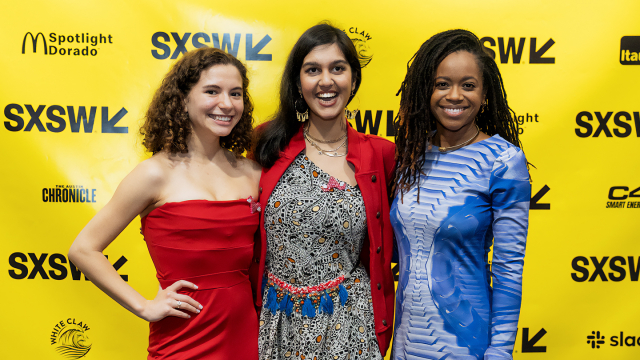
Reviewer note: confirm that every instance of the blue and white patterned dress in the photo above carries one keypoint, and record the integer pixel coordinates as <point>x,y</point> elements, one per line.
<point>446,307</point>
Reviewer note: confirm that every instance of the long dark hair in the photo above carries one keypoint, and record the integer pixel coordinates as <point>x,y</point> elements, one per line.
<point>167,125</point>
<point>276,134</point>
<point>415,118</point>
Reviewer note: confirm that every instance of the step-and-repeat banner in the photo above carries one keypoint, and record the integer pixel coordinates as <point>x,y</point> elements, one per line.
<point>77,78</point>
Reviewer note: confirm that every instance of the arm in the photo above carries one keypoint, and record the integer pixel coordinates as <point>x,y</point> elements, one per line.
<point>510,196</point>
<point>135,193</point>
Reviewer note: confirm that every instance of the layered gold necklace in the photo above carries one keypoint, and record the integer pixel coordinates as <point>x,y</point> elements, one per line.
<point>331,152</point>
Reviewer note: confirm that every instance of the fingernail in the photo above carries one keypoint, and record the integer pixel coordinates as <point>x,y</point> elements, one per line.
<point>188,316</point>
<point>196,286</point>
<point>198,311</point>
<point>200,306</point>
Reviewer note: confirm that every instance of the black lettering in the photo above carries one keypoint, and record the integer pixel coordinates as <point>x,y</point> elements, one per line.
<point>511,47</point>
<point>58,195</point>
<point>535,56</point>
<point>45,195</point>
<point>180,44</point>
<point>232,48</point>
<point>614,341</point>
<point>614,188</point>
<point>13,262</point>
<point>633,341</point>
<point>37,266</point>
<point>621,124</point>
<point>253,52</point>
<point>109,125</point>
<point>13,117</point>
<point>87,122</point>
<point>57,266</point>
<point>55,118</point>
<point>486,49</point>
<point>620,270</point>
<point>368,120</point>
<point>581,269</point>
<point>392,126</point>
<point>636,119</point>
<point>155,41</point>
<point>196,37</point>
<point>633,268</point>
<point>93,195</point>
<point>599,271</point>
<point>584,124</point>
<point>35,118</point>
<point>603,124</point>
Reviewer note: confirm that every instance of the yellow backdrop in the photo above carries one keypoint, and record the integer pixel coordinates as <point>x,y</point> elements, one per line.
<point>77,77</point>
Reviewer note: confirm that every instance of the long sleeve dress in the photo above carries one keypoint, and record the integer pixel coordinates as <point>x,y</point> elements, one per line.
<point>446,304</point>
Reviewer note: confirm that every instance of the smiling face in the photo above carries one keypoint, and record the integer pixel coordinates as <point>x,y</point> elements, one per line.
<point>215,102</point>
<point>458,93</point>
<point>326,82</point>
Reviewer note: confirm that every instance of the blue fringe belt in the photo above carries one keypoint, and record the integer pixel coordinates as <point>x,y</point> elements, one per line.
<point>304,300</point>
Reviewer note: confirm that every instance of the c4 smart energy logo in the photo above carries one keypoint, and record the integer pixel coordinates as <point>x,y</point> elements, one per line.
<point>360,40</point>
<point>79,44</point>
<point>69,337</point>
<point>630,50</point>
<point>624,197</point>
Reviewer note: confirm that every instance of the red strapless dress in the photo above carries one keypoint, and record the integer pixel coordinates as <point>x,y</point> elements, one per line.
<point>209,243</point>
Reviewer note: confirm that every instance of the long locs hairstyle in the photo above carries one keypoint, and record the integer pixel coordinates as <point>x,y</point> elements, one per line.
<point>167,124</point>
<point>415,119</point>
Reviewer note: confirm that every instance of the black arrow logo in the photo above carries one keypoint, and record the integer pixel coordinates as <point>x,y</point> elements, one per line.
<point>534,205</point>
<point>253,52</point>
<point>535,56</point>
<point>528,344</point>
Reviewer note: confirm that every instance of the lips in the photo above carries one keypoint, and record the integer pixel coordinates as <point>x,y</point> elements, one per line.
<point>327,98</point>
<point>222,118</point>
<point>453,112</point>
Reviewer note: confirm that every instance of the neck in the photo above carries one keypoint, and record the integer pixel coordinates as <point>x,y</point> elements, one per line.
<point>204,149</point>
<point>326,130</point>
<point>448,138</point>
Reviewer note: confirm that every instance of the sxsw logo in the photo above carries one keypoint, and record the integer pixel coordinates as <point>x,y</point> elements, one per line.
<point>630,50</point>
<point>172,46</point>
<point>512,49</point>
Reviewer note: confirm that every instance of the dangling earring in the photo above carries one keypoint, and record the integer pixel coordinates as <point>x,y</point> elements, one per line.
<point>301,104</point>
<point>350,115</point>
<point>483,107</point>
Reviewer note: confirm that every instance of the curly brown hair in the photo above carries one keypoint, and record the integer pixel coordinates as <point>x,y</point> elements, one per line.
<point>167,124</point>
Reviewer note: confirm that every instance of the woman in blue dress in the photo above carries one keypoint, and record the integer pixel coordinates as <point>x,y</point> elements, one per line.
<point>462,185</point>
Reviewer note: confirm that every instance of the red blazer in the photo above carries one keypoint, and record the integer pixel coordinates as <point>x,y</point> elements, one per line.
<point>373,159</point>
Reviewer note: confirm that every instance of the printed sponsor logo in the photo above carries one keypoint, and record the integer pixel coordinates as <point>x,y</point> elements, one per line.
<point>526,120</point>
<point>69,337</point>
<point>620,267</point>
<point>535,203</point>
<point>59,118</point>
<point>68,193</point>
<point>79,44</point>
<point>368,122</point>
<point>171,46</point>
<point>630,50</point>
<point>623,197</point>
<point>511,50</point>
<point>622,120</point>
<point>57,268</point>
<point>597,338</point>
<point>360,39</point>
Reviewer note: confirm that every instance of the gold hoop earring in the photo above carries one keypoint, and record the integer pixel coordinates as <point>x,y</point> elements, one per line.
<point>302,109</point>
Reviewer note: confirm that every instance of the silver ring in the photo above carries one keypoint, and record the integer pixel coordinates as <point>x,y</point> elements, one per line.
<point>179,303</point>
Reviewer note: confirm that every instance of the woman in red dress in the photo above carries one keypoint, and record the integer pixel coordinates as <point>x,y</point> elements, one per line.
<point>195,200</point>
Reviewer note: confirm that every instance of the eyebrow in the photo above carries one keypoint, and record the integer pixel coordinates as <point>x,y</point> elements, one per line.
<point>313,63</point>
<point>463,79</point>
<point>218,87</point>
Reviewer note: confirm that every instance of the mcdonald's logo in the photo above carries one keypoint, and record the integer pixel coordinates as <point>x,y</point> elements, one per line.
<point>34,42</point>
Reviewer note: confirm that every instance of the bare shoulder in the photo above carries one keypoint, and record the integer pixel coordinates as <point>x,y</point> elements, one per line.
<point>153,171</point>
<point>250,168</point>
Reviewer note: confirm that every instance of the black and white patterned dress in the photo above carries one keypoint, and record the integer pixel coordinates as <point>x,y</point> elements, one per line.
<point>317,298</point>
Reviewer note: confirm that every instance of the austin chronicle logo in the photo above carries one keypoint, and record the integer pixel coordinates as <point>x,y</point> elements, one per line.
<point>595,340</point>
<point>70,339</point>
<point>360,39</point>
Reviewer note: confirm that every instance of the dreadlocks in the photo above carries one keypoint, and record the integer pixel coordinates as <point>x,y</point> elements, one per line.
<point>415,120</point>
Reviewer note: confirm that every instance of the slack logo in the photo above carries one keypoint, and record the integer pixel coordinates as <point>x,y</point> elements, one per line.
<point>595,340</point>
<point>630,50</point>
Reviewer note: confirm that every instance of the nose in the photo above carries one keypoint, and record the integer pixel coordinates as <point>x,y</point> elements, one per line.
<point>455,94</point>
<point>225,101</point>
<point>325,79</point>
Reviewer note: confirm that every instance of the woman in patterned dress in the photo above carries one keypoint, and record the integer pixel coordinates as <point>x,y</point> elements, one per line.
<point>463,186</point>
<point>324,259</point>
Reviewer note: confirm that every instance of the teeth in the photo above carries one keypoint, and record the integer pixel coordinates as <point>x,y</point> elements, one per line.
<point>326,95</point>
<point>222,117</point>
<point>453,111</point>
